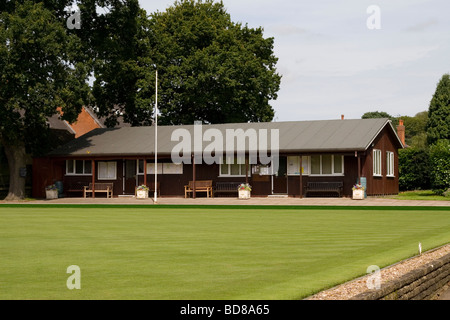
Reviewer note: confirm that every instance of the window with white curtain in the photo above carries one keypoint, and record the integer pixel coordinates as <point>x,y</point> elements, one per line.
<point>107,170</point>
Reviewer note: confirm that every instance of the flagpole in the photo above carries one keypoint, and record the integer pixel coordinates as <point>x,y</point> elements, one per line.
<point>156,139</point>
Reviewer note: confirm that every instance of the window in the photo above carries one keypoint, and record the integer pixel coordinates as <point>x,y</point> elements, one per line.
<point>294,166</point>
<point>377,162</point>
<point>78,167</point>
<point>389,164</point>
<point>107,170</point>
<point>315,165</point>
<point>151,168</point>
<point>172,168</point>
<point>163,168</point>
<point>140,166</point>
<point>338,164</point>
<point>262,170</point>
<point>327,165</point>
<point>233,168</point>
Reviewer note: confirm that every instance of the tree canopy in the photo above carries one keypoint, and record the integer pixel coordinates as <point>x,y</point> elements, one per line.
<point>379,114</point>
<point>39,73</point>
<point>124,73</point>
<point>438,126</point>
<point>211,69</point>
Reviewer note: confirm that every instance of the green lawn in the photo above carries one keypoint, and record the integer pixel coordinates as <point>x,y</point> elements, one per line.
<point>419,195</point>
<point>191,252</point>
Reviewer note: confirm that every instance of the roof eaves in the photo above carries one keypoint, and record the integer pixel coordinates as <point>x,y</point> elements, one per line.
<point>381,129</point>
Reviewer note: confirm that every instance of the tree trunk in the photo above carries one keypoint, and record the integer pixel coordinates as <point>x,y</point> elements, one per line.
<point>16,156</point>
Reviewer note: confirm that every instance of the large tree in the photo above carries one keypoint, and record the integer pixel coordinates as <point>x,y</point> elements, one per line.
<point>379,114</point>
<point>211,69</point>
<point>40,71</point>
<point>438,126</point>
<point>115,33</point>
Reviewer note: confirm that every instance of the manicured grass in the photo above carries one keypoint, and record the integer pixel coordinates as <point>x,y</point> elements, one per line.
<point>419,195</point>
<point>193,252</point>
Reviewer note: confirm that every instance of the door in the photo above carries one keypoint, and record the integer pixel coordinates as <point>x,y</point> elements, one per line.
<point>279,179</point>
<point>130,177</point>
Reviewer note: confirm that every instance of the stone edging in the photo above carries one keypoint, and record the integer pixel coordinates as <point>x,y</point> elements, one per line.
<point>419,284</point>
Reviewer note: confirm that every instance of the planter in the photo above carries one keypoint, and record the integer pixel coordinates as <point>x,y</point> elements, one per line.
<point>244,194</point>
<point>142,194</point>
<point>358,194</point>
<point>51,194</point>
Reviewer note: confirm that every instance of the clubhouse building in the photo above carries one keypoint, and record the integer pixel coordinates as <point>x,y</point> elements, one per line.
<point>337,152</point>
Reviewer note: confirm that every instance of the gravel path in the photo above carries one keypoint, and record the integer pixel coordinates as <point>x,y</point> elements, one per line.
<point>357,286</point>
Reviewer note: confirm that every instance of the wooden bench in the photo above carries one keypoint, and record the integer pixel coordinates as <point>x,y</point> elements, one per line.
<point>200,186</point>
<point>325,187</point>
<point>76,187</point>
<point>227,187</point>
<point>100,187</point>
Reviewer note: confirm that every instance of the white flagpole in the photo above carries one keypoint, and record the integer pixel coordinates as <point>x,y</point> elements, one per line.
<point>156,139</point>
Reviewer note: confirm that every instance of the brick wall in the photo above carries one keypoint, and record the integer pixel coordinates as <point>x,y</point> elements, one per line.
<point>419,284</point>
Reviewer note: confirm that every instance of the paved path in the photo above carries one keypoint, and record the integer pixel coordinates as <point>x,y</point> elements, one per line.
<point>253,201</point>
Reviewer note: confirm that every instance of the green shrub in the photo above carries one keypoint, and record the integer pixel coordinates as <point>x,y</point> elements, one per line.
<point>447,193</point>
<point>440,166</point>
<point>414,169</point>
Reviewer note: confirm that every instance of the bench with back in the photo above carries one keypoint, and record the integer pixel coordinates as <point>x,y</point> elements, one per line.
<point>325,187</point>
<point>76,187</point>
<point>227,187</point>
<point>200,186</point>
<point>105,187</point>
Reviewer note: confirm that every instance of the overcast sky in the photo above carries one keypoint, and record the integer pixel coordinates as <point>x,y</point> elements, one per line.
<point>333,64</point>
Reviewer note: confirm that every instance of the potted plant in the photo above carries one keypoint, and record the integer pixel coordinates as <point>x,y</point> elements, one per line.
<point>244,191</point>
<point>142,192</point>
<point>358,192</point>
<point>51,192</point>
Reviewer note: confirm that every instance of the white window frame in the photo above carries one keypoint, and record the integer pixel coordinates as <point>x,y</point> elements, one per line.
<point>377,163</point>
<point>241,169</point>
<point>339,174</point>
<point>109,164</point>
<point>74,173</point>
<point>390,163</point>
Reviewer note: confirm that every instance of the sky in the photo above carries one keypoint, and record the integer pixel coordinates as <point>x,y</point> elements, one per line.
<point>340,57</point>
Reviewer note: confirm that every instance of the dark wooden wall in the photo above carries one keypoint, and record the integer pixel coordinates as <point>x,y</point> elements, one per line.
<point>383,185</point>
<point>45,172</point>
